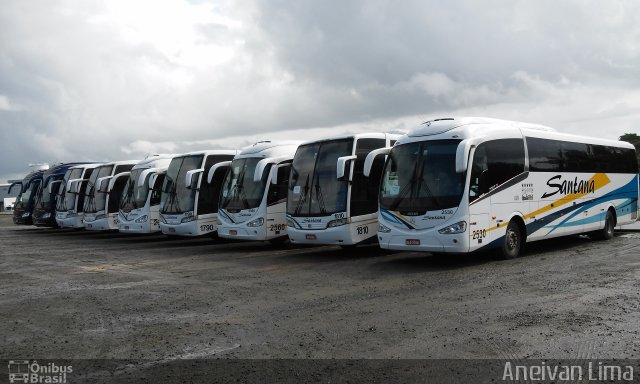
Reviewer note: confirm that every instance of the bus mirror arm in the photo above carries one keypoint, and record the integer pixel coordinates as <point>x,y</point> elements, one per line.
<point>274,174</point>
<point>262,164</point>
<point>51,184</point>
<point>73,182</point>
<point>115,178</point>
<point>368,162</point>
<point>462,153</point>
<point>101,181</point>
<point>144,174</point>
<point>14,184</point>
<point>215,167</point>
<point>188,178</point>
<point>341,165</point>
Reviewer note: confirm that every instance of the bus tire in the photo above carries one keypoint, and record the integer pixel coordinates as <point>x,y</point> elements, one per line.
<point>512,241</point>
<point>606,233</point>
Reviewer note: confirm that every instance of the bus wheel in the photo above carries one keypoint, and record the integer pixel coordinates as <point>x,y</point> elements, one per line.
<point>512,241</point>
<point>607,232</point>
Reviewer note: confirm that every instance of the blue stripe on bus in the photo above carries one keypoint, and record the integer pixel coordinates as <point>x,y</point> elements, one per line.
<point>629,191</point>
<point>393,218</point>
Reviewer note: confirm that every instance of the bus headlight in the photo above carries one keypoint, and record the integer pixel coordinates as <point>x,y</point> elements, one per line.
<point>292,223</point>
<point>336,223</point>
<point>383,228</point>
<point>188,216</point>
<point>458,227</point>
<point>256,223</point>
<point>46,215</point>
<point>26,214</point>
<point>142,219</point>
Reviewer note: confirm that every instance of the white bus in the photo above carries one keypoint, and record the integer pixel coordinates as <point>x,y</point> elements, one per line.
<point>140,201</point>
<point>459,185</point>
<point>190,192</point>
<point>71,196</point>
<point>104,190</point>
<point>254,194</point>
<point>330,201</point>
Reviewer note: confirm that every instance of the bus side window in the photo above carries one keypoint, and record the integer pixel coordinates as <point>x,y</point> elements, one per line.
<point>278,192</point>
<point>494,163</point>
<point>364,191</point>
<point>156,192</point>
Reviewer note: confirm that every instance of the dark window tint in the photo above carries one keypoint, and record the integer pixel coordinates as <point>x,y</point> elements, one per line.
<point>210,192</point>
<point>82,194</point>
<point>575,157</point>
<point>364,190</point>
<point>544,155</point>
<point>123,168</point>
<point>156,191</point>
<point>278,192</point>
<point>494,163</point>
<point>116,193</point>
<point>564,156</point>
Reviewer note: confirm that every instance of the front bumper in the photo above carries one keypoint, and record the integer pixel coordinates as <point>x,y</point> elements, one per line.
<point>243,232</point>
<point>65,221</point>
<point>109,223</point>
<point>429,240</point>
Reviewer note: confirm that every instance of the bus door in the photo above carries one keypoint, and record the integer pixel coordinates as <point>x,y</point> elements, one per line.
<point>495,189</point>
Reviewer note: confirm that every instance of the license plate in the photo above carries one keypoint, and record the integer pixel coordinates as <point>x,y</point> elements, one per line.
<point>233,232</point>
<point>310,236</point>
<point>412,242</point>
<point>126,227</point>
<point>172,230</point>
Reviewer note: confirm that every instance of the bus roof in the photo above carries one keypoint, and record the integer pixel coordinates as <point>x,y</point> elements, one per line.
<point>155,161</point>
<point>364,135</point>
<point>479,127</point>
<point>208,152</point>
<point>269,148</point>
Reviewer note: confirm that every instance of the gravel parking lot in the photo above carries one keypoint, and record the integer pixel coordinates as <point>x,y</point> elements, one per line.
<point>74,294</point>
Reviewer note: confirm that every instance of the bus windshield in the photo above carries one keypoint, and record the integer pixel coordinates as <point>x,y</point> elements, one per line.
<point>43,199</point>
<point>134,195</point>
<point>96,200</point>
<point>64,199</point>
<point>314,189</point>
<point>24,198</point>
<point>239,191</point>
<point>421,176</point>
<point>176,197</point>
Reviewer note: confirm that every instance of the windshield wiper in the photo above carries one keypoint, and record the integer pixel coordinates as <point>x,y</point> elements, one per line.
<point>303,198</point>
<point>319,196</point>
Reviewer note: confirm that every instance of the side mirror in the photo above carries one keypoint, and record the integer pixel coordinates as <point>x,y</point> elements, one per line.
<point>368,161</point>
<point>262,164</point>
<point>152,180</point>
<point>72,186</point>
<point>191,182</point>
<point>341,165</point>
<point>115,178</point>
<point>51,184</point>
<point>100,184</point>
<point>13,185</point>
<point>462,154</point>
<point>222,166</point>
<point>274,174</point>
<point>143,176</point>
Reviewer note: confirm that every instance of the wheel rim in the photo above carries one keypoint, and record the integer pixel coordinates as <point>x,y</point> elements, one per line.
<point>512,240</point>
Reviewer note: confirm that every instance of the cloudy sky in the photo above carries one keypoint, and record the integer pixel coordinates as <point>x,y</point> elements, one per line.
<point>119,79</point>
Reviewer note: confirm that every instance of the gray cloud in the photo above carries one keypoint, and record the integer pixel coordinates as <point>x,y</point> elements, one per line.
<point>105,81</point>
